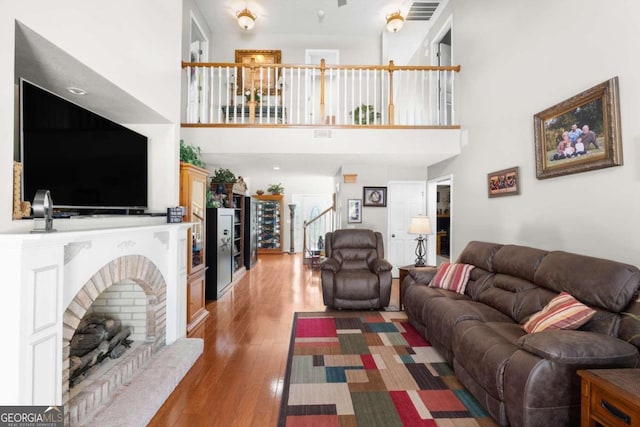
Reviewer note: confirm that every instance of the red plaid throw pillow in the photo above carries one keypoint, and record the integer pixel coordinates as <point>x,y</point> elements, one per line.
<point>562,312</point>
<point>453,277</point>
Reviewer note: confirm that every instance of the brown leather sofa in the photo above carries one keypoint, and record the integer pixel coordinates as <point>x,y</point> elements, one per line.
<point>355,274</point>
<point>527,379</point>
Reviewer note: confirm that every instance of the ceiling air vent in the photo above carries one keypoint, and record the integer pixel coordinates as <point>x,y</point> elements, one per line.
<point>422,11</point>
<point>322,134</point>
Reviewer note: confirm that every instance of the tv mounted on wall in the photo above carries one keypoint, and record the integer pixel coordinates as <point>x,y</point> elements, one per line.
<point>88,163</point>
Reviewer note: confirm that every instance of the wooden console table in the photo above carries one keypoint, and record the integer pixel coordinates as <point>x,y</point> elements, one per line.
<point>610,397</point>
<point>238,112</point>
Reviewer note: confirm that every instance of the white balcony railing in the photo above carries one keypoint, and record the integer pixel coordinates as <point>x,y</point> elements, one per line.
<point>388,95</point>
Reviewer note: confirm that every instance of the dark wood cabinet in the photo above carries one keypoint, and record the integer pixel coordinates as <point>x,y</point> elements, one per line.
<point>610,397</point>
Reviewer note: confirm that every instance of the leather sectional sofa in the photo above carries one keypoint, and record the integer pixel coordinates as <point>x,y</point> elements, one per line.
<point>527,379</point>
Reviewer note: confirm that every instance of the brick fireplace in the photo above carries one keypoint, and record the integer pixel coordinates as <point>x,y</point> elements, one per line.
<point>132,290</point>
<point>54,279</point>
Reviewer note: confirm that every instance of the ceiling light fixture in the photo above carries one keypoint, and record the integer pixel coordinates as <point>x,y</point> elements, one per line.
<point>395,21</point>
<point>246,19</point>
<point>76,90</point>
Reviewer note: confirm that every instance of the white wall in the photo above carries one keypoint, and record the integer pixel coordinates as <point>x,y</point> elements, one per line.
<point>353,50</point>
<point>518,58</point>
<point>136,46</point>
<point>373,218</point>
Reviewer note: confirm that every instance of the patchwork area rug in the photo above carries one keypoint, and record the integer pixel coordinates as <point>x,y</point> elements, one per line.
<point>370,369</point>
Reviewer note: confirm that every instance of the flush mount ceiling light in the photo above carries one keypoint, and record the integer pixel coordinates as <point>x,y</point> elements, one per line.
<point>395,21</point>
<point>246,19</point>
<point>76,90</point>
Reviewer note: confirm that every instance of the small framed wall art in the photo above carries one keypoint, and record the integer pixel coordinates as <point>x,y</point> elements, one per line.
<point>503,183</point>
<point>374,196</point>
<point>354,211</point>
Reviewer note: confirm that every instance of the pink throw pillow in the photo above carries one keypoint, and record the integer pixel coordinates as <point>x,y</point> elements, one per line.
<point>562,312</point>
<point>453,277</point>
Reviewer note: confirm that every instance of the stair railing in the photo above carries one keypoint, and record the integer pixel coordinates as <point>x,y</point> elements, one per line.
<point>233,94</point>
<point>313,232</point>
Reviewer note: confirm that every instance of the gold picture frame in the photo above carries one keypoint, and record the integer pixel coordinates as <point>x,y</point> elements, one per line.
<point>598,111</point>
<point>269,79</point>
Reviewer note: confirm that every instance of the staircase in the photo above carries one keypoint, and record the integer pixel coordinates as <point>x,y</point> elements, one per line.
<point>314,231</point>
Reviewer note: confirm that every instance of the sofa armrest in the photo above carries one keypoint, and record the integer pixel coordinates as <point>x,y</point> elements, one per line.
<point>580,348</point>
<point>379,265</point>
<point>330,264</point>
<point>423,275</point>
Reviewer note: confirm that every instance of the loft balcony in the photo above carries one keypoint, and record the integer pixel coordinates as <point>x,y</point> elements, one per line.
<point>317,118</point>
<point>255,94</point>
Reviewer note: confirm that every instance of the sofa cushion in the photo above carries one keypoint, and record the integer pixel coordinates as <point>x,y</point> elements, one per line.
<point>562,312</point>
<point>516,297</point>
<point>580,348</point>
<point>484,350</point>
<point>594,281</point>
<point>442,314</point>
<point>453,277</point>
<point>356,285</point>
<point>479,254</point>
<point>355,249</point>
<point>518,261</point>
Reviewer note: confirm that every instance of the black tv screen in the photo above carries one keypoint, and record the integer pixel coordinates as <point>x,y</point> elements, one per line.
<point>86,161</point>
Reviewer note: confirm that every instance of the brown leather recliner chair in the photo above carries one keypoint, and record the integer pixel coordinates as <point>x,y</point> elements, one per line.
<point>355,274</point>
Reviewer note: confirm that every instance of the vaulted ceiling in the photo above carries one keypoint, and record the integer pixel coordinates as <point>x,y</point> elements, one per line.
<point>356,17</point>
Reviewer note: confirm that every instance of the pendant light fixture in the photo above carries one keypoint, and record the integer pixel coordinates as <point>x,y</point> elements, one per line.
<point>395,21</point>
<point>246,19</point>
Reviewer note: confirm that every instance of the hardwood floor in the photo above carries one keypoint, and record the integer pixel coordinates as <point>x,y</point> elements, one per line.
<point>238,379</point>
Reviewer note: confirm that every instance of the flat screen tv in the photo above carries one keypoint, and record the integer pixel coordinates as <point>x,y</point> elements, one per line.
<point>87,162</point>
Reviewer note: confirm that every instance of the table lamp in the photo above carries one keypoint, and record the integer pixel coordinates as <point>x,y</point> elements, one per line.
<point>420,225</point>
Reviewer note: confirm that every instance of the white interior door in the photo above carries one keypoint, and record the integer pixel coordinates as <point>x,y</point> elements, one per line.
<point>405,199</point>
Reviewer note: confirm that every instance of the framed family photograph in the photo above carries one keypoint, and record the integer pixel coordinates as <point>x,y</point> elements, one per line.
<point>374,196</point>
<point>265,79</point>
<point>579,134</point>
<point>354,211</point>
<point>503,183</point>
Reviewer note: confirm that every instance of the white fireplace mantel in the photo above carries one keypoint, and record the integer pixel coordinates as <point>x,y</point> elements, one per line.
<point>42,272</point>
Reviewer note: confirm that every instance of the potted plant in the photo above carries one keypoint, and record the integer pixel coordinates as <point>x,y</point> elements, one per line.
<point>365,115</point>
<point>222,180</point>
<point>275,189</point>
<point>191,154</point>
<point>256,95</point>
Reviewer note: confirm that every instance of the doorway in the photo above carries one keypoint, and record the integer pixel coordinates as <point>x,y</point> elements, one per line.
<point>406,199</point>
<point>198,52</point>
<point>442,46</point>
<point>440,207</point>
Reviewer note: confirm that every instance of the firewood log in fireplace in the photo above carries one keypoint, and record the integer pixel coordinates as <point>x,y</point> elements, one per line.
<point>96,338</point>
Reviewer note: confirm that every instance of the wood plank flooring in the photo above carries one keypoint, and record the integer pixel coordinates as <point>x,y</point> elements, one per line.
<point>238,379</point>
